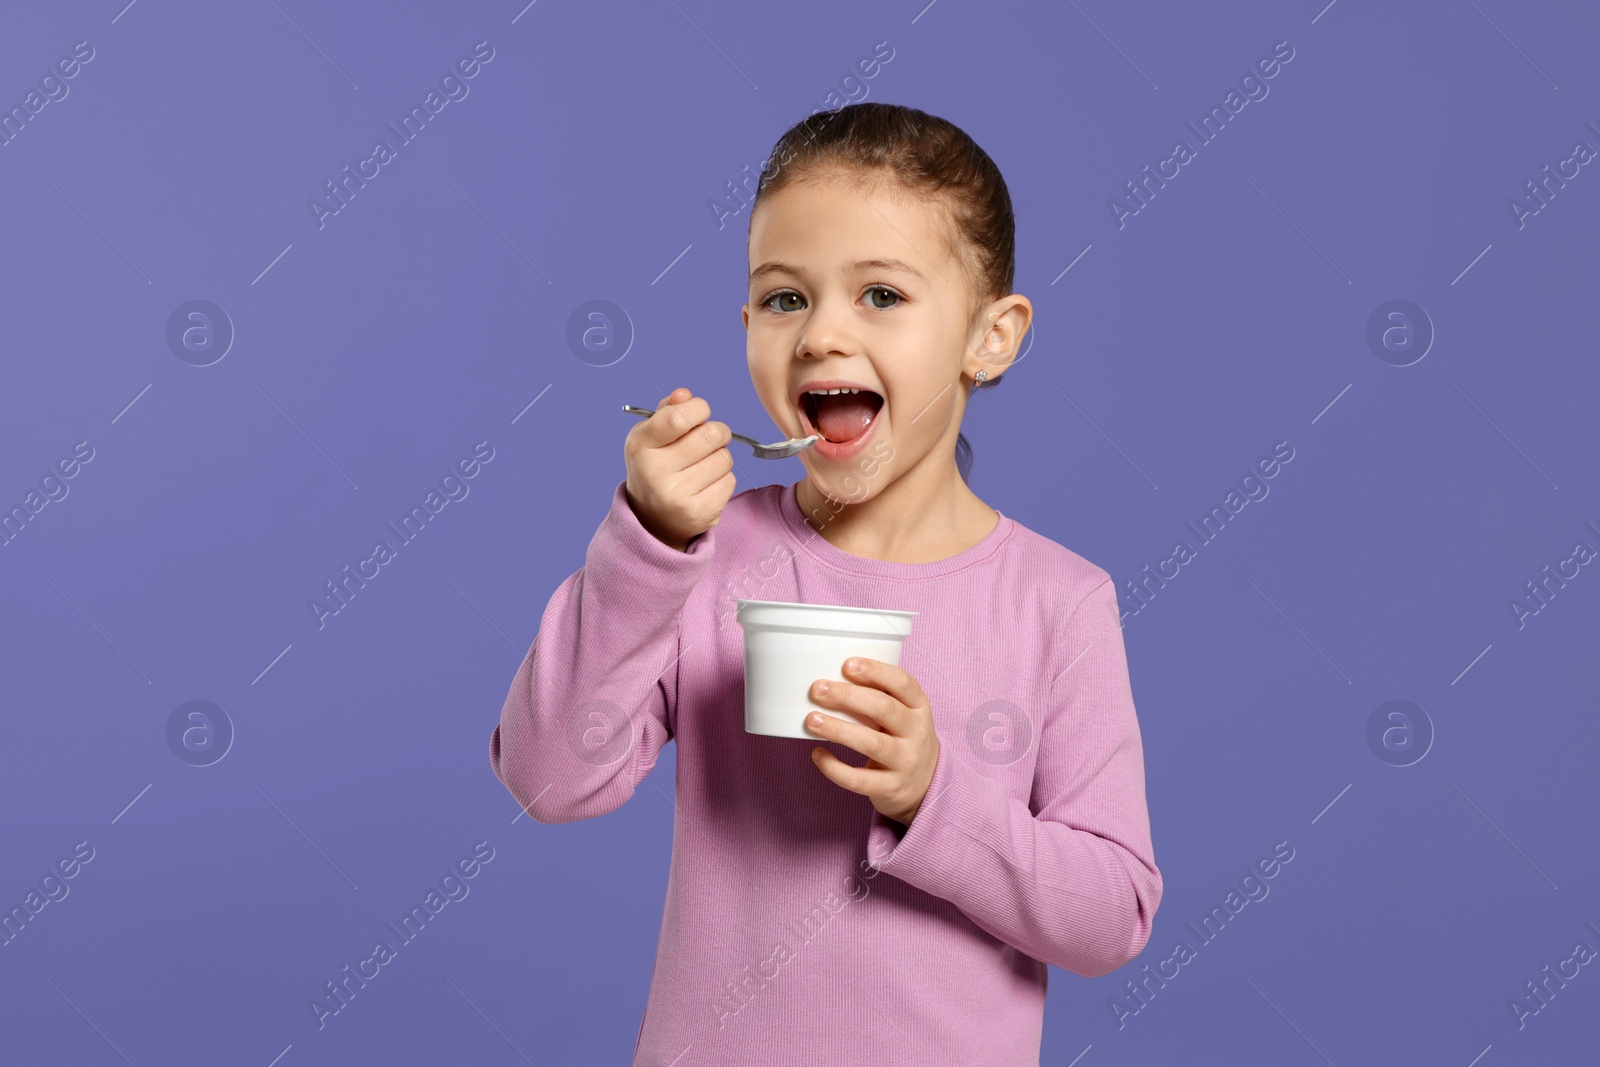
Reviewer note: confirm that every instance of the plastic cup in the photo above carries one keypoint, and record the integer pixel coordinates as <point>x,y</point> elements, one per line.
<point>787,647</point>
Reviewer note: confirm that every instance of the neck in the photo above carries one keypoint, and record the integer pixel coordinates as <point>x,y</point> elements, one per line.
<point>927,514</point>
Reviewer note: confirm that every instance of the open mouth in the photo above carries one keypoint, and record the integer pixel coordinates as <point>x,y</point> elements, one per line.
<point>839,417</point>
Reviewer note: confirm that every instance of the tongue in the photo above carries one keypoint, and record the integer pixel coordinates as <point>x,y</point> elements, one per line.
<point>844,416</point>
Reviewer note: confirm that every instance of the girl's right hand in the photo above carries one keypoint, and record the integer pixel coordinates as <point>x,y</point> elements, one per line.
<point>680,472</point>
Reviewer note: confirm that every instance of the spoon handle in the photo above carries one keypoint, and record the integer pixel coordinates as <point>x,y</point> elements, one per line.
<point>646,413</point>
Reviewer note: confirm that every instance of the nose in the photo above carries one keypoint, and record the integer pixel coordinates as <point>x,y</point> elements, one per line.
<point>828,331</point>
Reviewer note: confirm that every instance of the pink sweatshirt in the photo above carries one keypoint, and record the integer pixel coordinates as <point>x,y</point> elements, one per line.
<point>801,926</point>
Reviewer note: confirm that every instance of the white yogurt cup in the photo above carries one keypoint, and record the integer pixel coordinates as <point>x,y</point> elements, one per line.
<point>787,647</point>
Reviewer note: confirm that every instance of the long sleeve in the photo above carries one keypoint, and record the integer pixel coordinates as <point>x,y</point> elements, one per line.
<point>1070,876</point>
<point>595,697</point>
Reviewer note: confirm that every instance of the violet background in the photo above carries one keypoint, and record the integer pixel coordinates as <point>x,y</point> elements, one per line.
<point>432,312</point>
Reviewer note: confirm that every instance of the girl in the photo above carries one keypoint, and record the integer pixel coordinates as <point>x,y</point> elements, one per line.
<point>1002,791</point>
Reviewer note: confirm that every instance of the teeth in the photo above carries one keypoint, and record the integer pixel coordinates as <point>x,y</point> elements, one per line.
<point>830,392</point>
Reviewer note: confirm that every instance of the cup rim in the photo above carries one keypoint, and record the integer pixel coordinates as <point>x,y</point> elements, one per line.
<point>826,607</point>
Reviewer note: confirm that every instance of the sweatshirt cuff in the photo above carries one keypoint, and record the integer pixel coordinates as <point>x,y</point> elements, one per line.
<point>623,554</point>
<point>933,851</point>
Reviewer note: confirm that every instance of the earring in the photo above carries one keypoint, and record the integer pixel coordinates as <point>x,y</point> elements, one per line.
<point>977,379</point>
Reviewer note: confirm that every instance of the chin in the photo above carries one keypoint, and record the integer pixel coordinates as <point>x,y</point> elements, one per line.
<point>860,478</point>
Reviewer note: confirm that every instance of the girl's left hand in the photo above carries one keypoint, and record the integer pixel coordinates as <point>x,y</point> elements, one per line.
<point>901,751</point>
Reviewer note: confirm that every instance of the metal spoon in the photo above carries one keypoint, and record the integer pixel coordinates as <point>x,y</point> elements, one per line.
<point>780,450</point>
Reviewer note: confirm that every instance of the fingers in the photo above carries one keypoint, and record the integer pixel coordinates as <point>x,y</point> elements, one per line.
<point>896,735</point>
<point>708,473</point>
<point>679,474</point>
<point>895,681</point>
<point>672,420</point>
<point>882,709</point>
<point>876,745</point>
<point>855,779</point>
<point>696,444</point>
<point>681,432</point>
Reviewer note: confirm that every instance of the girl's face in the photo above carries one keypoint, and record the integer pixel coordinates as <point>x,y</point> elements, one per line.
<point>851,285</point>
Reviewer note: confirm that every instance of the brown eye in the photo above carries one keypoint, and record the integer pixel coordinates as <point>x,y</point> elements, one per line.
<point>883,289</point>
<point>784,294</point>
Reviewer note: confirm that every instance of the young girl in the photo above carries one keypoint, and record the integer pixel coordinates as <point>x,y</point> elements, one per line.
<point>1000,783</point>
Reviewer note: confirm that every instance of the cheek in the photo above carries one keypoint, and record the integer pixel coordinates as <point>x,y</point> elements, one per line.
<point>769,378</point>
<point>920,410</point>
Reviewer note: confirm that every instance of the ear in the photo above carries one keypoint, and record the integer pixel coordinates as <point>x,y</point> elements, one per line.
<point>996,339</point>
<point>745,313</point>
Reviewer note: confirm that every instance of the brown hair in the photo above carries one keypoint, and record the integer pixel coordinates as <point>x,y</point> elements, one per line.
<point>922,154</point>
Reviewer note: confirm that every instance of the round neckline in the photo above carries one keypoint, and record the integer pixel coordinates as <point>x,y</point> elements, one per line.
<point>820,549</point>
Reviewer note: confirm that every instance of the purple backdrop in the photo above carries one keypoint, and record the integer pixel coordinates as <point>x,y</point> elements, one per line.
<point>223,383</point>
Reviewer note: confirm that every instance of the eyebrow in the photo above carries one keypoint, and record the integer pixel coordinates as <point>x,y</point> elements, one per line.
<point>892,266</point>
